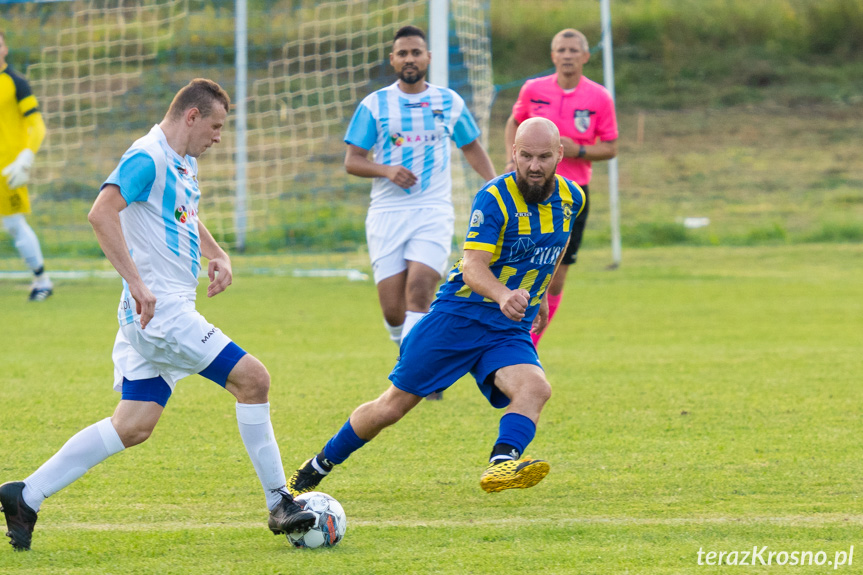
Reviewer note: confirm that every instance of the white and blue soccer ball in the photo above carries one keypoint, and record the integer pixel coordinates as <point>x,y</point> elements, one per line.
<point>330,521</point>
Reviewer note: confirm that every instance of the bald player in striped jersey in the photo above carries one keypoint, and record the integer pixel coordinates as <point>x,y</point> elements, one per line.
<point>410,125</point>
<point>21,133</point>
<point>483,317</point>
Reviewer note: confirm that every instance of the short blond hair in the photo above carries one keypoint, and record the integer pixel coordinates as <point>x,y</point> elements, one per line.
<point>571,33</point>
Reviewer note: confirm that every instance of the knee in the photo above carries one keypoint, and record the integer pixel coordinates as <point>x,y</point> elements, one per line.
<point>252,384</point>
<point>544,391</point>
<point>420,295</point>
<point>257,385</point>
<point>538,392</point>
<point>389,413</point>
<point>394,317</point>
<point>132,435</point>
<point>260,381</point>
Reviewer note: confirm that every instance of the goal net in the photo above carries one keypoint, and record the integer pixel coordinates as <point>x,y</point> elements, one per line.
<point>104,72</point>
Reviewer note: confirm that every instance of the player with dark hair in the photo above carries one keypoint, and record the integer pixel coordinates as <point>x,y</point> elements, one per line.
<point>146,221</point>
<point>410,224</point>
<point>583,111</point>
<point>483,316</point>
<point>21,133</point>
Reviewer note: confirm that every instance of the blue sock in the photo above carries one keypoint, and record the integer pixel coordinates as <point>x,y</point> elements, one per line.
<point>342,444</point>
<point>516,430</point>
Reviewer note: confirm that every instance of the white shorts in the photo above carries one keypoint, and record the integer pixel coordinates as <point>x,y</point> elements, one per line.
<point>178,342</point>
<point>418,235</point>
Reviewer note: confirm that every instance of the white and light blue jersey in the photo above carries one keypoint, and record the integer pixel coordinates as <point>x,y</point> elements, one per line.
<point>160,222</point>
<point>414,131</point>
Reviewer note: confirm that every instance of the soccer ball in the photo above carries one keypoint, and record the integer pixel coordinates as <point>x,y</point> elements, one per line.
<point>330,521</point>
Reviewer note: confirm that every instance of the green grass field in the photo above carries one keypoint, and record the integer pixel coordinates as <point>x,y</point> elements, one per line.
<point>705,398</point>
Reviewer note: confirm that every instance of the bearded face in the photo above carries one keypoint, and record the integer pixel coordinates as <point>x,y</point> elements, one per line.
<point>410,59</point>
<point>535,184</point>
<point>411,74</point>
<point>536,153</point>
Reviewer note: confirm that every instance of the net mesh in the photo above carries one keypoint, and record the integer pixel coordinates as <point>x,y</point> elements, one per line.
<point>104,72</point>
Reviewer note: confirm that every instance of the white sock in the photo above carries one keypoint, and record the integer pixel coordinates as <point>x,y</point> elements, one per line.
<point>25,239</point>
<point>411,319</point>
<point>43,281</point>
<point>84,450</point>
<point>318,467</point>
<point>395,332</point>
<point>259,439</point>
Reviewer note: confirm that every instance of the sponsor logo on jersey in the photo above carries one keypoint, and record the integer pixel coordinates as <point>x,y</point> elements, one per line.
<point>183,214</point>
<point>476,218</point>
<point>546,255</point>
<point>522,214</point>
<point>582,120</point>
<point>417,105</point>
<point>186,173</point>
<point>398,139</point>
<point>521,249</point>
<point>540,102</point>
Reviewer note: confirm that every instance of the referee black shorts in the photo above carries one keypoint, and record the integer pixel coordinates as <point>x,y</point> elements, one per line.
<point>577,232</point>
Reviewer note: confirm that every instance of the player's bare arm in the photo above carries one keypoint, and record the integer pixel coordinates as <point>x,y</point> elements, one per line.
<point>594,153</point>
<point>508,140</point>
<point>478,277</point>
<point>478,159</point>
<point>104,216</point>
<point>357,163</point>
<point>219,269</point>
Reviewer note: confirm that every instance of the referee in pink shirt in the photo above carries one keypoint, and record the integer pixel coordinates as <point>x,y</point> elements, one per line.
<point>583,112</point>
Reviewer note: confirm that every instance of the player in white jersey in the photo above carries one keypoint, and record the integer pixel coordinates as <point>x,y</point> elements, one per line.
<point>409,228</point>
<point>146,221</point>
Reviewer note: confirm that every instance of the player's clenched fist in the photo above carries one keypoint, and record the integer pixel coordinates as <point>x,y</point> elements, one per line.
<point>515,304</point>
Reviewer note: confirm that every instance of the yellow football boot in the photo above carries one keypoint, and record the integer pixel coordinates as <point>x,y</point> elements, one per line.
<point>304,479</point>
<point>513,474</point>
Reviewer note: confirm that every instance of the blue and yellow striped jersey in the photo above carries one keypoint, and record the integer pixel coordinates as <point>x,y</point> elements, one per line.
<point>525,239</point>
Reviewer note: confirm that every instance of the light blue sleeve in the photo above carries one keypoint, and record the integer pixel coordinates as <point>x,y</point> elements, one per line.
<point>363,129</point>
<point>466,130</point>
<point>134,176</point>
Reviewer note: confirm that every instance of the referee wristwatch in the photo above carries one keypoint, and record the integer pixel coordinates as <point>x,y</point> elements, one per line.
<point>581,152</point>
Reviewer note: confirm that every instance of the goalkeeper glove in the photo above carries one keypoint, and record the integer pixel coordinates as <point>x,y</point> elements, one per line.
<point>17,173</point>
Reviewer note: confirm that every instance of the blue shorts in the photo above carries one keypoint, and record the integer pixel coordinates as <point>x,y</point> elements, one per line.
<point>157,389</point>
<point>221,367</point>
<point>443,347</point>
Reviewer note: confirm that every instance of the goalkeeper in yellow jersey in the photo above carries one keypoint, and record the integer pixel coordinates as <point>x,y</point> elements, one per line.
<point>21,133</point>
